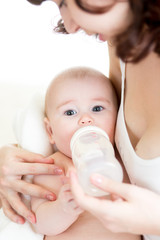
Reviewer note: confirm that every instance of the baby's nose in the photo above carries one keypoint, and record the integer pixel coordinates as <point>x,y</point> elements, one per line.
<point>86,120</point>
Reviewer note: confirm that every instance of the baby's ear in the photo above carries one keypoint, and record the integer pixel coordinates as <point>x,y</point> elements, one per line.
<point>49,130</point>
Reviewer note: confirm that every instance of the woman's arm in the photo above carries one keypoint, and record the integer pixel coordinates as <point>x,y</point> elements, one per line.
<point>15,162</point>
<point>55,217</point>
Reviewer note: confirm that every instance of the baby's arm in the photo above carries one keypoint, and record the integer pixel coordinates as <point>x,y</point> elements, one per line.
<point>55,217</point>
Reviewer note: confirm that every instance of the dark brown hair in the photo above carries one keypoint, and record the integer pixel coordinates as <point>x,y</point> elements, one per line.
<point>140,38</point>
<point>36,2</point>
<point>143,34</point>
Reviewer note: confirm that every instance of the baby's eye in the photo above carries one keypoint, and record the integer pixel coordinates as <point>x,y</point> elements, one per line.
<point>97,108</point>
<point>70,112</point>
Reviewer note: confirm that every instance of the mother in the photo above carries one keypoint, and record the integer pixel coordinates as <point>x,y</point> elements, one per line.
<point>132,29</point>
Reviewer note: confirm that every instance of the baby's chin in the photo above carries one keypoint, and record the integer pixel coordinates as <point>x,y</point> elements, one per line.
<point>65,150</point>
<point>67,153</point>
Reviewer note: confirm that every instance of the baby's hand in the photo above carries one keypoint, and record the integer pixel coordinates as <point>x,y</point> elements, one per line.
<point>69,205</point>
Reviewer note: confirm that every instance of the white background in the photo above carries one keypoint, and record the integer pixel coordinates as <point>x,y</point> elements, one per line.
<point>31,54</point>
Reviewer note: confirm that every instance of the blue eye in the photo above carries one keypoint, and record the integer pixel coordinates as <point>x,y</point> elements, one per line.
<point>97,108</point>
<point>70,112</point>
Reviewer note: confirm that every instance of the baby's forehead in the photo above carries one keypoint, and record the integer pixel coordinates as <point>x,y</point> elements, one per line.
<point>60,88</point>
<point>64,83</point>
<point>77,76</point>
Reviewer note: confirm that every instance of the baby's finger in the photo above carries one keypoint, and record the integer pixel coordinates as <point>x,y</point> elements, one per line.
<point>79,210</point>
<point>66,187</point>
<point>68,197</point>
<point>65,180</point>
<point>73,204</point>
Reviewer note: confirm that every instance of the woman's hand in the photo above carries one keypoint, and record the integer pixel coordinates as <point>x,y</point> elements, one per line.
<point>14,163</point>
<point>136,210</point>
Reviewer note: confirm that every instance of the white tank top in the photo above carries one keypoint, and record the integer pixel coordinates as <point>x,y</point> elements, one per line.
<point>144,173</point>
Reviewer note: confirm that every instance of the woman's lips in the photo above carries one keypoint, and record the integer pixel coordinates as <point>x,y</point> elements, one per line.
<point>102,38</point>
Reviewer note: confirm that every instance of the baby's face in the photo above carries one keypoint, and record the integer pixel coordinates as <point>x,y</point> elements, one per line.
<point>75,103</point>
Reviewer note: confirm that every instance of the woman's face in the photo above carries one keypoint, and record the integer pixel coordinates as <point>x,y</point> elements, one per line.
<point>114,20</point>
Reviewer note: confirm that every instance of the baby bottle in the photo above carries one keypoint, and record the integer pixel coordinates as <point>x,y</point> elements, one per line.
<point>92,152</point>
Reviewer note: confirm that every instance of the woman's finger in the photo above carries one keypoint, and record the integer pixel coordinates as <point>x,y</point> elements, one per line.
<point>10,213</point>
<point>123,190</point>
<point>87,202</point>
<point>32,190</point>
<point>19,207</point>
<point>13,152</point>
<point>34,169</point>
<point>21,153</point>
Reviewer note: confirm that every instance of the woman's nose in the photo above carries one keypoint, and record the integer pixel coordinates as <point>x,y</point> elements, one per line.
<point>86,120</point>
<point>71,26</point>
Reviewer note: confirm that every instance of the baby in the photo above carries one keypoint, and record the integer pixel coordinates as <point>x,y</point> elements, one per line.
<point>76,98</point>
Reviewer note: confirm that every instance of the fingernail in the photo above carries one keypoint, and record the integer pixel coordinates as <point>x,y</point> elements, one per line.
<point>49,159</point>
<point>96,179</point>
<point>58,171</point>
<point>20,221</point>
<point>31,219</point>
<point>50,197</point>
